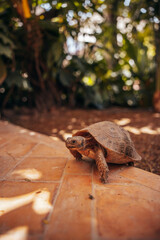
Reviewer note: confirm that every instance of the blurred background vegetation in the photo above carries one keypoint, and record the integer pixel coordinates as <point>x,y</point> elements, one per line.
<point>89,53</point>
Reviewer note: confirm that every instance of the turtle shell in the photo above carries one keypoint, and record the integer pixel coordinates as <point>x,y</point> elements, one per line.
<point>112,137</point>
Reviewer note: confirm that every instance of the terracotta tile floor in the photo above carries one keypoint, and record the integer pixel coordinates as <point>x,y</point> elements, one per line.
<point>46,194</point>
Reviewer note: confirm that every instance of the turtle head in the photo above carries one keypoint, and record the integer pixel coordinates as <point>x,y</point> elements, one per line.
<point>75,143</point>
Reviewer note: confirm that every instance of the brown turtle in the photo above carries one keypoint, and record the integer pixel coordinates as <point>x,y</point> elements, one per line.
<point>106,142</point>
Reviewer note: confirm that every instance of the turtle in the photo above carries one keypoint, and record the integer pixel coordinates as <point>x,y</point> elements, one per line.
<point>105,142</point>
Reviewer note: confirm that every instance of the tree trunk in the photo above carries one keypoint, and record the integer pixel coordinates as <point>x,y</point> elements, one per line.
<point>156,97</point>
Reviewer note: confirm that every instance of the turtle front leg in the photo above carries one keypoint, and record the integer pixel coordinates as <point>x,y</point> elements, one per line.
<point>102,165</point>
<point>76,154</point>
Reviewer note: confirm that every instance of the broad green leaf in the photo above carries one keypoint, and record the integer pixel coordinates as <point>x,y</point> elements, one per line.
<point>3,71</point>
<point>6,51</point>
<point>66,78</point>
<point>6,40</point>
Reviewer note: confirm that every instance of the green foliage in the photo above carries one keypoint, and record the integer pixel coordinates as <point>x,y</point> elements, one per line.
<point>6,50</point>
<point>3,72</point>
<point>78,53</point>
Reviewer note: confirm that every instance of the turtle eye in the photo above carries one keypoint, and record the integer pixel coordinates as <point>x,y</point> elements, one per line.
<point>73,141</point>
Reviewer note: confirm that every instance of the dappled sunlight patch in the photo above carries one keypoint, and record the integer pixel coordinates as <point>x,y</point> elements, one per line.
<point>23,131</point>
<point>73,120</point>
<point>158,130</point>
<point>18,233</point>
<point>83,124</point>
<point>123,121</point>
<point>32,133</point>
<point>54,138</point>
<point>40,199</point>
<point>69,127</point>
<point>54,130</point>
<point>133,130</point>
<point>31,173</point>
<point>66,135</point>
<point>157,115</point>
<point>41,203</point>
<point>148,130</point>
<point>61,132</point>
<point>10,204</point>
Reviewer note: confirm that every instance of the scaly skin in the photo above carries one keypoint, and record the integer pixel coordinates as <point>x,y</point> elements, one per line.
<point>78,146</point>
<point>76,154</point>
<point>102,165</point>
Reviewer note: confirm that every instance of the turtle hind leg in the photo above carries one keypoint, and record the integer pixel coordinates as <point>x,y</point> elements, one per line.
<point>102,165</point>
<point>76,154</point>
<point>131,164</point>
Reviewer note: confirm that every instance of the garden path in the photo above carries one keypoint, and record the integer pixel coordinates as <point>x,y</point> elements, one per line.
<point>46,194</point>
